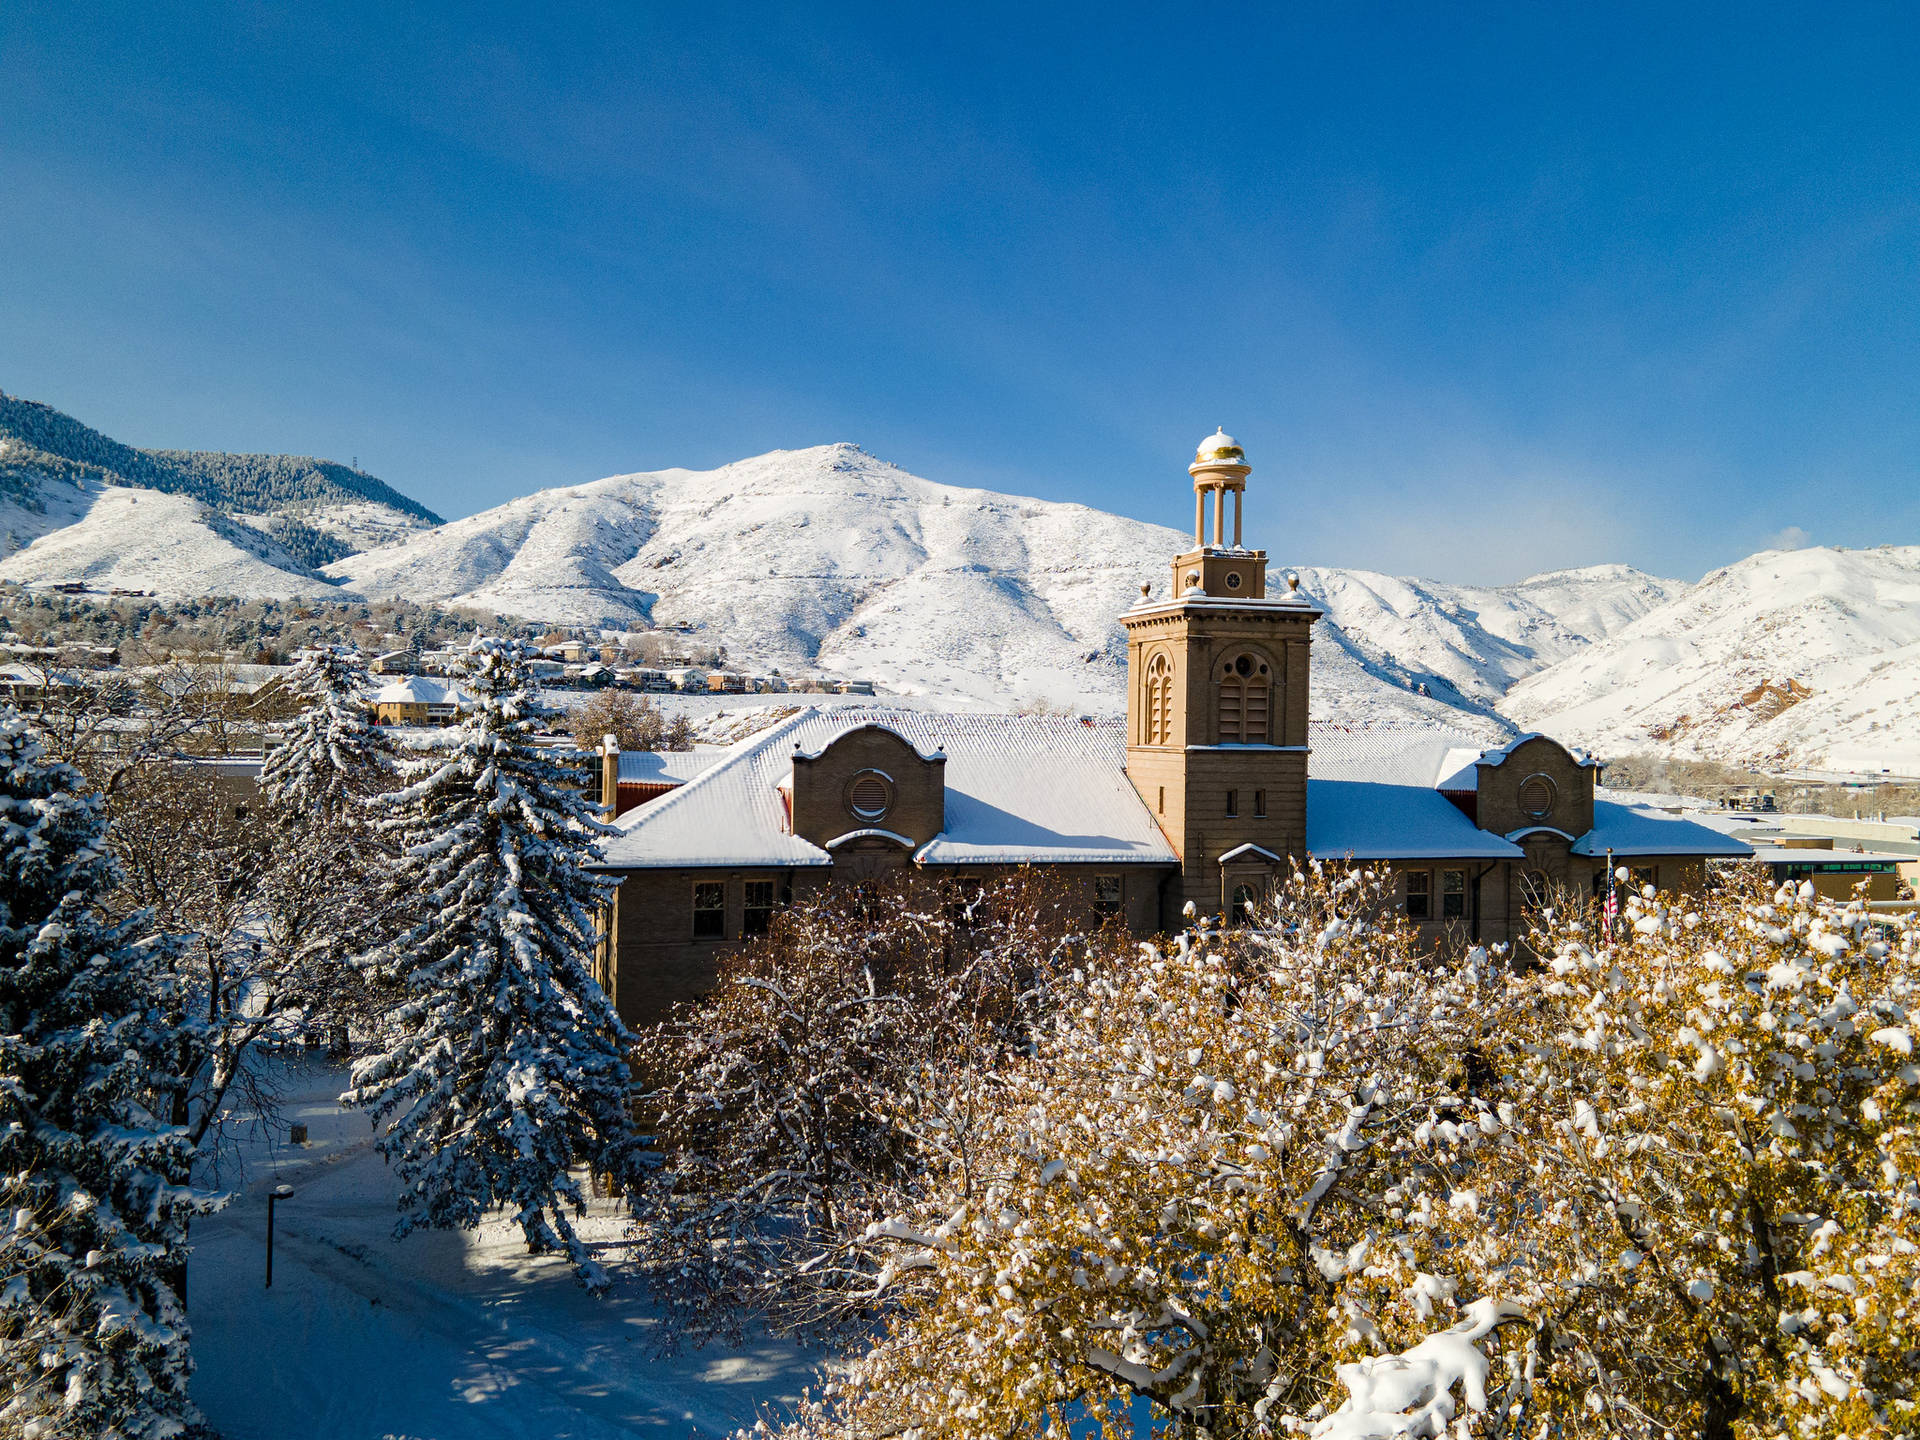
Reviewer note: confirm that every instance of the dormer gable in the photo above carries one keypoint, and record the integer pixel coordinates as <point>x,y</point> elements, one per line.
<point>868,779</point>
<point>1535,783</point>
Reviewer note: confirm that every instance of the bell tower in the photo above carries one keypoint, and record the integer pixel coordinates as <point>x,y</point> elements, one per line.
<point>1217,677</point>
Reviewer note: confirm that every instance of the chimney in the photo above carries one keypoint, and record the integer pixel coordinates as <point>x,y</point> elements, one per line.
<point>609,778</point>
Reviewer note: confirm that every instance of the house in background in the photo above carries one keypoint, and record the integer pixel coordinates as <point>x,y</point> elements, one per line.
<point>420,700</point>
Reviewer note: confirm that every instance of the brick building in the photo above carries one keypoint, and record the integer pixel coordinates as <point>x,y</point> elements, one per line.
<point>1211,787</point>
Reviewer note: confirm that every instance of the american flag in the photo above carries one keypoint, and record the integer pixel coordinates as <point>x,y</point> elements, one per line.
<point>1611,909</point>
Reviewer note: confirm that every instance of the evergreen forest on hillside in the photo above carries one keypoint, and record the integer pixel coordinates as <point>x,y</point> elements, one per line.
<point>38,441</point>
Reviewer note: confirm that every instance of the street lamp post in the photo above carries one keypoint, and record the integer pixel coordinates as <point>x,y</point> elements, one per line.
<point>274,1196</point>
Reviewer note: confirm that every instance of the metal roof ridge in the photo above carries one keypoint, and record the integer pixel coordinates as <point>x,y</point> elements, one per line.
<point>753,745</point>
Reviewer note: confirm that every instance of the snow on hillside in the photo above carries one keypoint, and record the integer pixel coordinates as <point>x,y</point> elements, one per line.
<point>1787,659</point>
<point>357,524</point>
<point>1470,643</point>
<point>828,558</point>
<point>123,536</point>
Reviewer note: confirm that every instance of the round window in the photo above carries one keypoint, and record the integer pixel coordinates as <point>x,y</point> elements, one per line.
<point>1536,797</point>
<point>1244,665</point>
<point>1233,579</point>
<point>870,795</point>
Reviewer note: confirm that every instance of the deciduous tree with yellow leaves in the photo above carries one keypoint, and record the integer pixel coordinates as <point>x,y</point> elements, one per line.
<point>1305,1177</point>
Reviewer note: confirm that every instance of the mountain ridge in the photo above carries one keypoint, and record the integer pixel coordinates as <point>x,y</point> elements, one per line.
<point>860,567</point>
<point>828,558</point>
<point>302,503</point>
<point>1805,659</point>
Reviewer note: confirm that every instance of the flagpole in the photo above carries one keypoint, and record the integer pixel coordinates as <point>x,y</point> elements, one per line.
<point>1612,907</point>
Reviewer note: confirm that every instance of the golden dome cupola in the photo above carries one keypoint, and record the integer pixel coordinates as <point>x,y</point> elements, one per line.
<point>1218,448</point>
<point>1219,467</point>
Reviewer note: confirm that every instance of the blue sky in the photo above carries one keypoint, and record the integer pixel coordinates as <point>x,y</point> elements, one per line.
<point>1484,290</point>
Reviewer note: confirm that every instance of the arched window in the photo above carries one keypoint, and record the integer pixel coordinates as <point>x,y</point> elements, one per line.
<point>1158,708</point>
<point>1245,696</point>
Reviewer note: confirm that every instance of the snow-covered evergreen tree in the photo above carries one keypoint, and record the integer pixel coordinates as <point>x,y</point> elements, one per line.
<point>93,1335</point>
<point>327,758</point>
<point>502,1065</point>
<point>311,902</point>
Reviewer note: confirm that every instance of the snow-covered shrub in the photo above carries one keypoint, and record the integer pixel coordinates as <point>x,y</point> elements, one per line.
<point>1310,1180</point>
<point>1193,1197</point>
<point>1707,1186</point>
<point>502,1063</point>
<point>777,1097</point>
<point>93,1335</point>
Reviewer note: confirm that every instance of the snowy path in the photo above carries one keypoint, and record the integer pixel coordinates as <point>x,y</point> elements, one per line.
<point>438,1336</point>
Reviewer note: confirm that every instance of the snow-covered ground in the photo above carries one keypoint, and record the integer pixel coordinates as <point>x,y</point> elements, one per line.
<point>441,1336</point>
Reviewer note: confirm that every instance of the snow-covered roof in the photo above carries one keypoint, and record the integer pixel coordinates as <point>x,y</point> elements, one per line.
<point>1810,855</point>
<point>1390,756</point>
<point>1499,754</point>
<point>1636,830</point>
<point>1460,769</point>
<point>669,767</point>
<point>37,676</point>
<point>1019,789</point>
<point>1373,820</point>
<point>1252,852</point>
<point>1215,443</point>
<point>423,690</point>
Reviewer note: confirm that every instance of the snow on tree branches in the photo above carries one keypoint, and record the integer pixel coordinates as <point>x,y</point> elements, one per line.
<point>1711,1183</point>
<point>502,1063</point>
<point>316,906</point>
<point>1173,1200</point>
<point>93,1335</point>
<point>1305,1178</point>
<point>323,764</point>
<point>776,1097</point>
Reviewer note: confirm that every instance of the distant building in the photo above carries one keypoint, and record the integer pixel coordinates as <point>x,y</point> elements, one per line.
<point>395,662</point>
<point>1833,852</point>
<point>22,681</point>
<point>1206,794</point>
<point>420,700</point>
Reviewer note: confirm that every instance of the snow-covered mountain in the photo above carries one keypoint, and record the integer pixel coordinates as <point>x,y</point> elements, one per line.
<point>126,536</point>
<point>307,511</point>
<point>1788,659</point>
<point>829,558</point>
